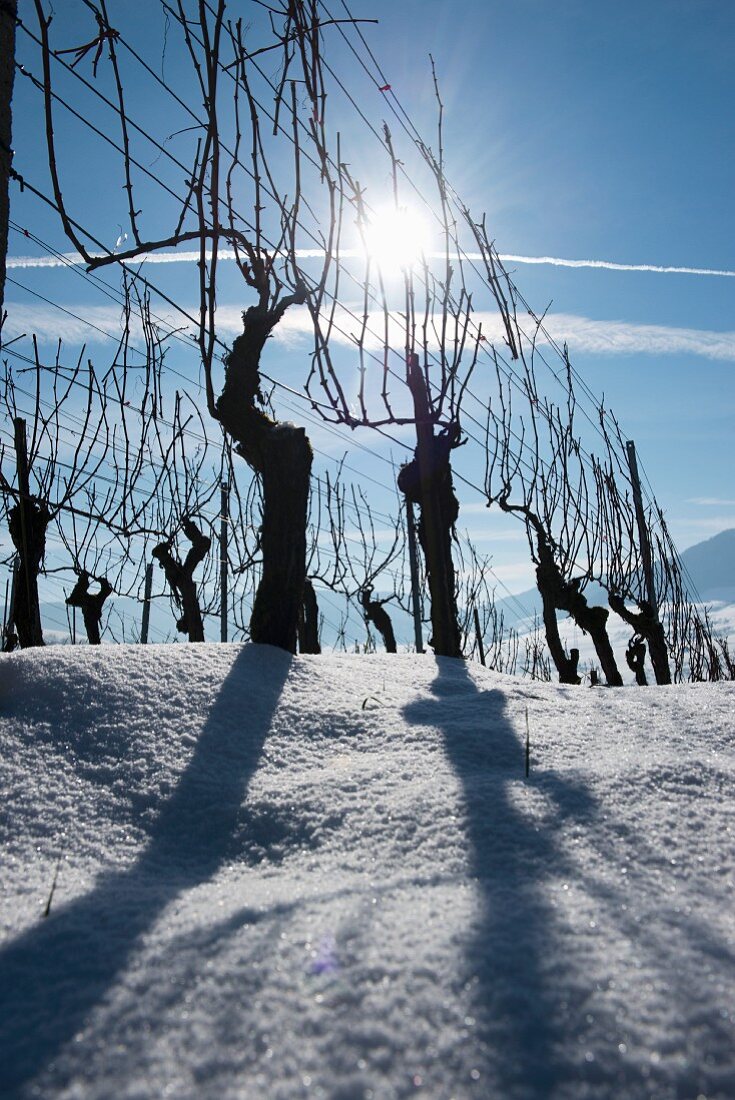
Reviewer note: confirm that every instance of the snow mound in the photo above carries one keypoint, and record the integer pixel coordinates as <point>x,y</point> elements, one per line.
<point>329,877</point>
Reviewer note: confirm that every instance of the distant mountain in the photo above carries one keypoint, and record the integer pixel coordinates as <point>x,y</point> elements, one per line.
<point>711,566</point>
<point>709,571</point>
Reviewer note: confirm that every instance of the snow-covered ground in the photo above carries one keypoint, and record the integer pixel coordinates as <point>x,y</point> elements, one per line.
<point>330,877</point>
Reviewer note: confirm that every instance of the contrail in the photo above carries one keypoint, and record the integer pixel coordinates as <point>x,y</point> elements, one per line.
<point>72,258</point>
<point>609,265</point>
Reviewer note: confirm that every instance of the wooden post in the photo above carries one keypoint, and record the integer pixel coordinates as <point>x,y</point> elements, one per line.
<point>146,604</point>
<point>13,592</point>
<point>10,607</point>
<point>31,542</point>
<point>21,463</point>
<point>645,542</point>
<point>414,565</point>
<point>478,635</point>
<point>224,519</point>
<point>71,619</point>
<point>5,609</point>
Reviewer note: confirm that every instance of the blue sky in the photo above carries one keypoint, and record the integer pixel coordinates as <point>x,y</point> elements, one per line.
<point>585,131</point>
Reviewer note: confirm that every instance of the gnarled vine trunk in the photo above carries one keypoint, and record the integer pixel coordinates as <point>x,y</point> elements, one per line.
<point>427,482</point>
<point>566,596</point>
<point>376,614</point>
<point>281,455</point>
<point>180,577</point>
<point>90,604</point>
<point>566,666</point>
<point>647,624</point>
<point>635,656</point>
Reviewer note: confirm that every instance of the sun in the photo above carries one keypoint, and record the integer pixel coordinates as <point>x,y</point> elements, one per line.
<point>396,238</point>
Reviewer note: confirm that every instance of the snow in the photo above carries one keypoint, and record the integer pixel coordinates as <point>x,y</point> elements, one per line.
<point>329,877</point>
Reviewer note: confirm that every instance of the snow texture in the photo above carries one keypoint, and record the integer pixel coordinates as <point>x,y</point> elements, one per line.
<point>287,877</point>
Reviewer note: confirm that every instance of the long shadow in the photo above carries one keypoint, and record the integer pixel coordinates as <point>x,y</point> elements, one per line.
<point>519,1015</point>
<point>53,975</point>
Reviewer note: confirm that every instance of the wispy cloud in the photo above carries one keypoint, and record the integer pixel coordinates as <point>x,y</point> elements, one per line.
<point>711,502</point>
<point>73,324</point>
<point>625,338</point>
<point>686,532</point>
<point>84,323</point>
<point>710,523</point>
<point>518,577</point>
<point>81,323</point>
<point>478,534</point>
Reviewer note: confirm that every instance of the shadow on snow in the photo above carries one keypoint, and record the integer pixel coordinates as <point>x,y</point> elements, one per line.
<point>53,975</point>
<point>509,961</point>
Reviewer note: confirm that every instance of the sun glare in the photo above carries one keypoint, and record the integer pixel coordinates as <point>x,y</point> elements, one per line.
<point>396,238</point>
